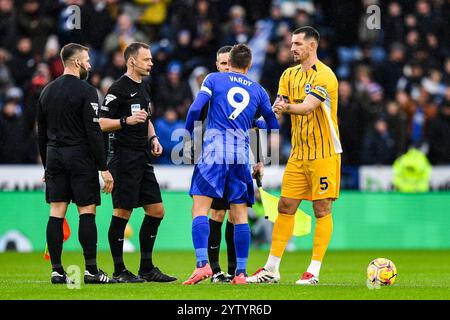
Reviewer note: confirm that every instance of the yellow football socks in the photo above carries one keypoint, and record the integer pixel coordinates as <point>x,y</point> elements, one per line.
<point>282,232</point>
<point>322,237</point>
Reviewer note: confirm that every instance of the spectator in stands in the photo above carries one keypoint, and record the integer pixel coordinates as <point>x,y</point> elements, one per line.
<point>22,64</point>
<point>392,70</point>
<point>426,18</point>
<point>117,67</point>
<point>416,137</point>
<point>325,52</point>
<point>396,121</point>
<point>273,68</point>
<point>51,56</point>
<point>97,23</point>
<point>204,24</point>
<point>372,103</point>
<point>362,79</point>
<point>378,146</point>
<point>280,24</point>
<point>34,23</point>
<point>8,24</point>
<point>165,126</point>
<point>433,83</point>
<point>412,79</point>
<point>173,92</point>
<point>408,106</point>
<point>446,77</point>
<point>393,22</point>
<point>183,47</point>
<point>196,79</point>
<point>152,15</point>
<point>302,18</point>
<point>162,52</point>
<point>40,78</point>
<point>438,133</point>
<point>412,42</point>
<point>350,116</point>
<point>124,33</point>
<point>105,83</point>
<point>5,74</point>
<point>18,144</point>
<point>237,29</point>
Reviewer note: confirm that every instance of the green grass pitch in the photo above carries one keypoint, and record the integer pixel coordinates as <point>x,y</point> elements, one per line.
<point>421,275</point>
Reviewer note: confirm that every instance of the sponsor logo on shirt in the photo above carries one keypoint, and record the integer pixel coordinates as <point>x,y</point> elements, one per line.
<point>109,97</point>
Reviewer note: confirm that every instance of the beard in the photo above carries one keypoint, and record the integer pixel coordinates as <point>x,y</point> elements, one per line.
<point>300,57</point>
<point>84,73</point>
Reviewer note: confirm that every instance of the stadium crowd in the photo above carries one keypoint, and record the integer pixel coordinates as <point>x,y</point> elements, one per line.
<point>394,82</point>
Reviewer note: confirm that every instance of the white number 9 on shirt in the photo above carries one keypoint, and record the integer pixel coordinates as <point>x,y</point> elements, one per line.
<point>239,106</point>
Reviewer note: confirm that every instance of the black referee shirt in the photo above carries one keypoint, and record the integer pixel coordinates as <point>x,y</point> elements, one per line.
<point>124,96</point>
<point>68,116</point>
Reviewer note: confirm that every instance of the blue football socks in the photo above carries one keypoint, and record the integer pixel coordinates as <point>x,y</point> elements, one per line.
<point>200,234</point>
<point>242,244</point>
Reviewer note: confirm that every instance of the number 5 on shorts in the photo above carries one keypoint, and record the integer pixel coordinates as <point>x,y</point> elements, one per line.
<point>323,183</point>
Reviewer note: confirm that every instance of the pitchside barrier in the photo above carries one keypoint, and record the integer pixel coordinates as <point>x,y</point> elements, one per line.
<point>362,220</point>
<point>178,178</point>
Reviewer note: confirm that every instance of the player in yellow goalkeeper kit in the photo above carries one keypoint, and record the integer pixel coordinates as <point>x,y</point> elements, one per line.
<point>309,93</point>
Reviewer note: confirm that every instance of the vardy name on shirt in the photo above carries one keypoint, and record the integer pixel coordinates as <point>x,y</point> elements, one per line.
<point>243,81</point>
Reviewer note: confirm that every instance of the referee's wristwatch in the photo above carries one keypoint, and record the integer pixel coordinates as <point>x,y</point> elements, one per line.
<point>123,121</point>
<point>153,137</point>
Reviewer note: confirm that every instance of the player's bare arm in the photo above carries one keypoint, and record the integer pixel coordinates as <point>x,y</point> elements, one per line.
<point>307,106</point>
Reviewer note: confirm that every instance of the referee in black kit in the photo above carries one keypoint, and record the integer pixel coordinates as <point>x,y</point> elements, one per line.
<point>126,112</point>
<point>72,151</point>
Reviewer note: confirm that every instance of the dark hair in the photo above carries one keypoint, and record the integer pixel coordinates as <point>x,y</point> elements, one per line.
<point>133,48</point>
<point>224,49</point>
<point>309,32</point>
<point>240,56</point>
<point>71,49</point>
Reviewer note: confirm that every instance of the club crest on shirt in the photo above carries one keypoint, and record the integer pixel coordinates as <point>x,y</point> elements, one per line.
<point>307,88</point>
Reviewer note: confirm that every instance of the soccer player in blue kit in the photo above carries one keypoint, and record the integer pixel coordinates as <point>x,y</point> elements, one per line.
<point>223,166</point>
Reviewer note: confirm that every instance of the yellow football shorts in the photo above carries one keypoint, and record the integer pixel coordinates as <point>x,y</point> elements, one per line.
<point>312,179</point>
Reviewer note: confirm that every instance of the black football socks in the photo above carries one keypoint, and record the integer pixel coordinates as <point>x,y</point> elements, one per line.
<point>231,249</point>
<point>55,242</point>
<point>116,237</point>
<point>87,235</point>
<point>215,236</point>
<point>147,237</point>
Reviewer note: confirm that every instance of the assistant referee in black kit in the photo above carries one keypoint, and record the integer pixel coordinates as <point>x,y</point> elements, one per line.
<point>72,152</point>
<point>125,112</point>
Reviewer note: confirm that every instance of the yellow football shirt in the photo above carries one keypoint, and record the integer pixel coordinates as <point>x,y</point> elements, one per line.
<point>315,135</point>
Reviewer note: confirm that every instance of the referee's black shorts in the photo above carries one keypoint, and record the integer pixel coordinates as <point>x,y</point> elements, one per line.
<point>71,175</point>
<point>220,204</point>
<point>135,183</point>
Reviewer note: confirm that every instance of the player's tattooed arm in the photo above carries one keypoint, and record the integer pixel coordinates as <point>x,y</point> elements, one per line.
<point>307,106</point>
